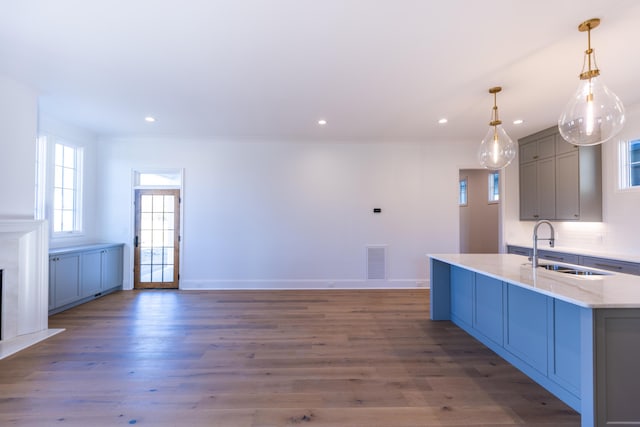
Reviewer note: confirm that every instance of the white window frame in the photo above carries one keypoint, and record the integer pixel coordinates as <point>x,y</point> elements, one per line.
<point>77,228</point>
<point>625,164</point>
<point>492,188</point>
<point>41,178</point>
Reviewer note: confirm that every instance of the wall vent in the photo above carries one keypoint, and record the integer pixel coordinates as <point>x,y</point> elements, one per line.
<point>376,262</point>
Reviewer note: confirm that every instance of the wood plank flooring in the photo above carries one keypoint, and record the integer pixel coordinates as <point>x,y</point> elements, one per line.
<point>266,358</point>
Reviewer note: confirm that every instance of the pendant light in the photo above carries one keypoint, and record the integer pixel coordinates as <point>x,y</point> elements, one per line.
<point>497,150</point>
<point>594,114</point>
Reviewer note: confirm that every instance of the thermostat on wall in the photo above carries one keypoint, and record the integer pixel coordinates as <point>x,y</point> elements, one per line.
<point>377,210</point>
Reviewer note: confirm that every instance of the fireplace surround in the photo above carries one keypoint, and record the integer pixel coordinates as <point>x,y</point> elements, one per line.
<point>25,285</point>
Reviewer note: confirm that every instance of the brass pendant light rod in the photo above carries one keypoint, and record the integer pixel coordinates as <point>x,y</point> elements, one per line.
<point>495,121</point>
<point>587,26</point>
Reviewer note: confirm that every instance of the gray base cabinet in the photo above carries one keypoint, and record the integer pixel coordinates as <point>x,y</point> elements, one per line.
<point>64,279</point>
<point>618,266</point>
<point>80,274</point>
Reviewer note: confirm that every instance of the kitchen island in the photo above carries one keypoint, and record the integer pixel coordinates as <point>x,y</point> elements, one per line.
<point>576,335</point>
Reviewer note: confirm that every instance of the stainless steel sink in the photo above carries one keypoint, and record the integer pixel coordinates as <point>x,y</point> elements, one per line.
<point>573,270</point>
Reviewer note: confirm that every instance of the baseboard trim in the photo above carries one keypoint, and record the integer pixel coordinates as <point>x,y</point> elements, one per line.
<point>303,284</point>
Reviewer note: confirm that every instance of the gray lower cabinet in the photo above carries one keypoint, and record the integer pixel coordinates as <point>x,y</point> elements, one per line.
<point>608,264</point>
<point>611,265</point>
<point>519,250</point>
<point>91,282</point>
<point>64,279</point>
<point>80,274</point>
<point>559,256</point>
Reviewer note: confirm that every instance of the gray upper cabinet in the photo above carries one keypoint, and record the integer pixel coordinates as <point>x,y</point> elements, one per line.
<point>559,181</point>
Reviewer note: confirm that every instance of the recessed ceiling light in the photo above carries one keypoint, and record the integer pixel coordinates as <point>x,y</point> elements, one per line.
<point>322,122</point>
<point>443,121</point>
<point>518,122</point>
<point>149,119</point>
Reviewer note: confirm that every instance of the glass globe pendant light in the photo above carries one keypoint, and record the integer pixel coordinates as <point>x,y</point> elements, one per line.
<point>497,150</point>
<point>594,114</point>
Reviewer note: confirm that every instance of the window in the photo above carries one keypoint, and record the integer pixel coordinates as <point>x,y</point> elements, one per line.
<point>630,164</point>
<point>164,178</point>
<point>494,187</point>
<point>67,189</point>
<point>462,197</point>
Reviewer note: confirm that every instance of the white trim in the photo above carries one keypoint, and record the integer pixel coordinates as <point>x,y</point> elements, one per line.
<point>303,284</point>
<point>25,263</point>
<point>624,166</point>
<point>128,279</point>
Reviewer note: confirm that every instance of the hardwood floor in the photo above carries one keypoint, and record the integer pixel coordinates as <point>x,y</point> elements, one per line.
<point>266,358</point>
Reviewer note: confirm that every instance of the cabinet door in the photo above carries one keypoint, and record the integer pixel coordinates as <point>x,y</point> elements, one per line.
<point>462,296</point>
<point>528,191</point>
<point>519,250</point>
<point>547,147</point>
<point>546,175</point>
<point>558,256</point>
<point>564,359</point>
<point>91,283</point>
<point>525,326</point>
<point>540,148</point>
<point>611,265</point>
<point>568,186</point>
<point>563,146</point>
<point>528,152</point>
<point>111,268</point>
<point>488,305</point>
<point>66,279</point>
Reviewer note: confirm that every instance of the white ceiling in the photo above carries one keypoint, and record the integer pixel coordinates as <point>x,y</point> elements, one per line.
<point>269,69</point>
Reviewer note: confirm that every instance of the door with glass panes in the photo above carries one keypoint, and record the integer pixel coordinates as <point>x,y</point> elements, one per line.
<point>157,237</point>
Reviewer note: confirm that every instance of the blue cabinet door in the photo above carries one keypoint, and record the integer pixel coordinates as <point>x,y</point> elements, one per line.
<point>488,314</point>
<point>462,282</point>
<point>564,337</point>
<point>525,326</point>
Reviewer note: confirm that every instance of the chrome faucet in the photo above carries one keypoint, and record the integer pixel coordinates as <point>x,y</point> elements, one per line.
<point>551,239</point>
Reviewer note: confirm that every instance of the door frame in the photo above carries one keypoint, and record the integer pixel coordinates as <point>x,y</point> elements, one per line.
<point>501,209</point>
<point>174,284</point>
<point>135,185</point>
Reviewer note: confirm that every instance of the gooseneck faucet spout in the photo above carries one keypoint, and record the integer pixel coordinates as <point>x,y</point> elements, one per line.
<point>551,239</point>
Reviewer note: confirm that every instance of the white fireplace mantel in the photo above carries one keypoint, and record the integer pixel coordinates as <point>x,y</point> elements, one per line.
<point>25,284</point>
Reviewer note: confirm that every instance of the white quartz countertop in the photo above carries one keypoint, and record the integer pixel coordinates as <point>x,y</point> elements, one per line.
<point>613,290</point>
<point>581,251</point>
<point>84,247</point>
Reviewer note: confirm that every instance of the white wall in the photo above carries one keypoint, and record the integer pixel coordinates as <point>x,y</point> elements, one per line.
<point>18,132</point>
<point>617,235</point>
<point>296,214</point>
<point>51,127</point>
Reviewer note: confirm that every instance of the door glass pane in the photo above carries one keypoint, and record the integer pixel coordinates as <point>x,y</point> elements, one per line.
<point>158,221</point>
<point>168,255</point>
<point>145,256</point>
<point>168,273</point>
<point>145,273</point>
<point>145,203</point>
<point>168,204</point>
